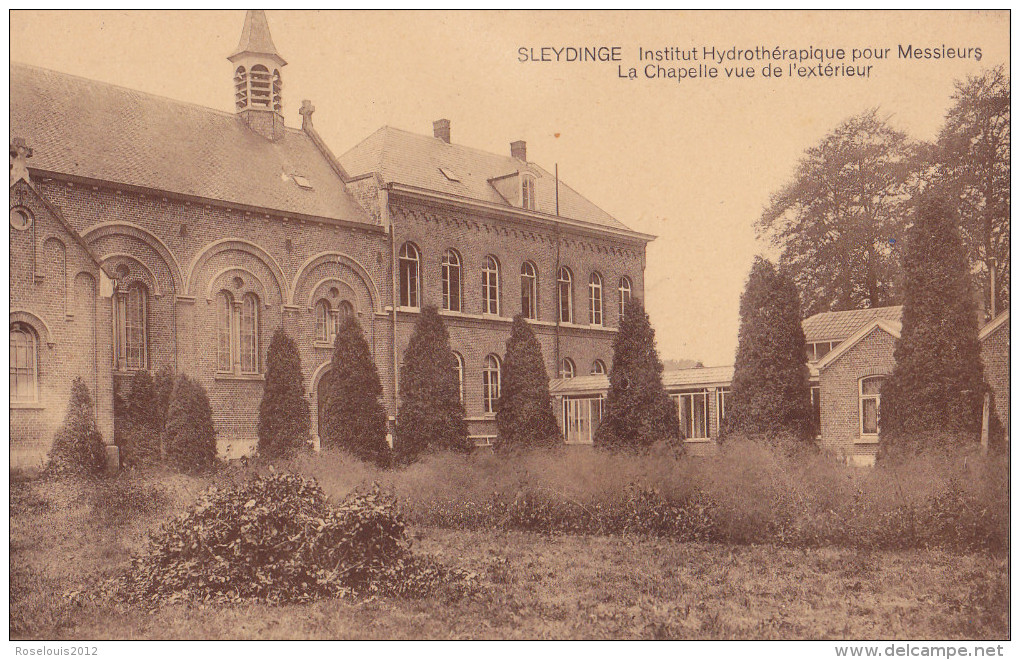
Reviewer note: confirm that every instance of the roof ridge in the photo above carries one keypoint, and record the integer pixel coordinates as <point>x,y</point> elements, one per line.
<point>139,92</point>
<point>458,145</point>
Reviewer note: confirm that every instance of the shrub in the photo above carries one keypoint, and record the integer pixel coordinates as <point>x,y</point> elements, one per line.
<point>431,414</point>
<point>638,411</point>
<point>933,397</point>
<point>140,424</point>
<point>163,385</point>
<point>190,438</point>
<point>78,446</point>
<point>277,539</point>
<point>355,419</point>
<point>770,395</point>
<point>284,421</point>
<point>524,416</point>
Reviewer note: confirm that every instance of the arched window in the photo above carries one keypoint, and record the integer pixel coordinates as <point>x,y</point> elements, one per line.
<point>598,367</point>
<point>130,328</point>
<point>452,287</point>
<point>567,369</point>
<point>323,321</point>
<point>529,290</point>
<point>224,331</point>
<point>249,336</point>
<point>410,275</point>
<point>24,364</point>
<point>460,375</point>
<point>595,299</point>
<point>344,312</point>
<point>490,285</point>
<point>528,192</point>
<point>260,84</point>
<point>565,281</point>
<point>490,383</point>
<point>241,88</point>
<point>625,293</point>
<point>871,404</point>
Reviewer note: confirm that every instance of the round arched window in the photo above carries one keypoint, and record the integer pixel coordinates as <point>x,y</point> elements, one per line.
<point>21,218</point>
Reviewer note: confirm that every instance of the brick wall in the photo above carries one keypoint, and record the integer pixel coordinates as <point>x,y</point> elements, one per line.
<point>839,383</point>
<point>995,356</point>
<point>54,290</point>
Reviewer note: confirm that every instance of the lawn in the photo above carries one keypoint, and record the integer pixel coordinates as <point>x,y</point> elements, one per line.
<point>66,536</point>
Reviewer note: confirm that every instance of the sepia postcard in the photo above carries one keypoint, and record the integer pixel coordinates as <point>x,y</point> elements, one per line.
<point>510,325</point>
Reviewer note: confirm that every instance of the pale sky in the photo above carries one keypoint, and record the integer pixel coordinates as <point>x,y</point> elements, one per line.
<point>693,162</point>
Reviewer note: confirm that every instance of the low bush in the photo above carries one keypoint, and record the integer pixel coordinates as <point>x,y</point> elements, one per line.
<point>78,446</point>
<point>747,493</point>
<point>277,539</point>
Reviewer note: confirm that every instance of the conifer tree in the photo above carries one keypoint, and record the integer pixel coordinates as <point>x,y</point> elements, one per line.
<point>770,398</point>
<point>934,396</point>
<point>356,419</point>
<point>78,446</point>
<point>638,411</point>
<point>140,422</point>
<point>524,416</point>
<point>189,437</point>
<point>284,422</point>
<point>431,414</point>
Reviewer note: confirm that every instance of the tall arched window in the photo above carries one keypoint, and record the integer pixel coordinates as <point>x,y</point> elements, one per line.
<point>625,293</point>
<point>410,275</point>
<point>529,290</point>
<point>249,336</point>
<point>871,404</point>
<point>528,192</point>
<point>460,375</point>
<point>130,328</point>
<point>452,286</point>
<point>565,281</point>
<point>24,364</point>
<point>224,332</point>
<point>595,299</point>
<point>567,369</point>
<point>323,321</point>
<point>490,383</point>
<point>345,311</point>
<point>490,285</point>
<point>598,367</point>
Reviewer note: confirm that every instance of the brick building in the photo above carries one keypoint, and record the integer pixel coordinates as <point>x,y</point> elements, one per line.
<point>148,232</point>
<point>849,354</point>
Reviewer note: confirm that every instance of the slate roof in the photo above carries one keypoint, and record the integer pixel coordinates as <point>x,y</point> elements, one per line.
<point>402,157</point>
<point>91,129</point>
<point>840,325</point>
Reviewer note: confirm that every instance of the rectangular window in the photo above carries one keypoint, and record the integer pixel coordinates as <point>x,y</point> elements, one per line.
<point>566,304</point>
<point>224,330</point>
<point>408,283</point>
<point>451,287</point>
<point>135,329</point>
<point>249,336</point>
<point>816,410</point>
<point>581,417</point>
<point>721,395</point>
<point>693,409</point>
<point>490,292</point>
<point>23,386</point>
<point>871,404</point>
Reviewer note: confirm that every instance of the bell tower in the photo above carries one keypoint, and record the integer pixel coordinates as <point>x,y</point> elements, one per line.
<point>258,87</point>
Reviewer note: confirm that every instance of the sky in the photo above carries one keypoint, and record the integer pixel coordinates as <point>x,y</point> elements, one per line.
<point>692,161</point>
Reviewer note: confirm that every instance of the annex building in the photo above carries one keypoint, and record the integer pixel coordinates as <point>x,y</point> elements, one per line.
<point>148,232</point>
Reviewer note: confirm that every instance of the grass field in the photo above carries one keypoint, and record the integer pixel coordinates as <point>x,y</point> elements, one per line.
<point>66,536</point>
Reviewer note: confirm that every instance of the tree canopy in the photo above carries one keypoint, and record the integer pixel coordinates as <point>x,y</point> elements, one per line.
<point>284,420</point>
<point>524,416</point>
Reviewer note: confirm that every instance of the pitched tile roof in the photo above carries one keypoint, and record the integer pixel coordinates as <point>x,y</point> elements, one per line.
<point>99,131</point>
<point>840,325</point>
<point>426,162</point>
<point>697,376</point>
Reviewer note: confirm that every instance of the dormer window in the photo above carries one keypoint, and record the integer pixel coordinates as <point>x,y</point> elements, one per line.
<point>450,174</point>
<point>528,192</point>
<point>302,182</point>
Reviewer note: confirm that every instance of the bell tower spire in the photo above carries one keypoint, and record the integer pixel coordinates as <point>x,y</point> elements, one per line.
<point>258,87</point>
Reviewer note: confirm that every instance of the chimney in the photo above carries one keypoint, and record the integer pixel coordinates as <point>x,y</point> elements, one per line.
<point>519,150</point>
<point>441,129</point>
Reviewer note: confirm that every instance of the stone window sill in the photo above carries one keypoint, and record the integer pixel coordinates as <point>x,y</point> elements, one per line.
<point>28,405</point>
<point>318,343</point>
<point>695,441</point>
<point>229,376</point>
<point>866,440</point>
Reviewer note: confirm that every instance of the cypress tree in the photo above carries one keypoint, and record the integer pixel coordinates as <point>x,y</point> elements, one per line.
<point>638,412</point>
<point>524,415</point>
<point>771,397</point>
<point>284,422</point>
<point>356,420</point>
<point>934,396</point>
<point>78,446</point>
<point>141,423</point>
<point>189,438</point>
<point>431,414</point>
